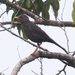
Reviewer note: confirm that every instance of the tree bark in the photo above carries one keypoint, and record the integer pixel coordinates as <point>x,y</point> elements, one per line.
<point>38,19</point>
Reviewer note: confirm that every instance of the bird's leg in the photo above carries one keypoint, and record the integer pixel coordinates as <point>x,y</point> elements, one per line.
<point>36,48</point>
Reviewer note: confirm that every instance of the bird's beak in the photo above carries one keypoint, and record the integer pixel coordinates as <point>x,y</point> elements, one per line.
<point>16,17</point>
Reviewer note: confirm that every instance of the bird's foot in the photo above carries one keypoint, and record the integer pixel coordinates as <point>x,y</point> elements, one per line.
<point>35,50</point>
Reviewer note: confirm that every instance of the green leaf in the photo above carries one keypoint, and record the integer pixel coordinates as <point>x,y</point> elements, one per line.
<point>19,2</point>
<point>46,6</point>
<point>55,6</point>
<point>28,3</point>
<point>74,5</point>
<point>24,35</point>
<point>73,15</point>
<point>7,9</point>
<point>13,14</point>
<point>37,6</point>
<point>19,29</point>
<point>55,14</point>
<point>18,26</point>
<point>46,15</point>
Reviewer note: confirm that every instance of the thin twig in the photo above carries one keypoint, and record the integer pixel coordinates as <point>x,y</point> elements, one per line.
<point>73,53</point>
<point>34,72</point>
<point>41,66</point>
<point>18,53</point>
<point>40,60</point>
<point>3,71</point>
<point>21,37</point>
<point>25,39</point>
<point>67,39</point>
<point>9,22</point>
<point>64,26</point>
<point>2,14</point>
<point>63,10</point>
<point>63,70</point>
<point>7,28</point>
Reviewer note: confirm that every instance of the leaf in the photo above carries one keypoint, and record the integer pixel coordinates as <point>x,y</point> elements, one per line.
<point>55,6</point>
<point>19,29</point>
<point>37,7</point>
<point>46,6</point>
<point>73,15</point>
<point>28,3</point>
<point>7,9</point>
<point>46,15</point>
<point>73,12</point>
<point>18,26</point>
<point>55,14</point>
<point>14,14</point>
<point>24,35</point>
<point>74,5</point>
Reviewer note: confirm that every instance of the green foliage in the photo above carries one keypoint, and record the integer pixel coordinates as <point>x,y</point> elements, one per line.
<point>74,5</point>
<point>46,6</point>
<point>38,7</point>
<point>28,3</point>
<point>7,9</point>
<point>73,15</point>
<point>19,29</point>
<point>24,36</point>
<point>55,6</point>
<point>73,12</point>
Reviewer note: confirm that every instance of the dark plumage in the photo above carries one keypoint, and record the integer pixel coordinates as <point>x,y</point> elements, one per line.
<point>33,32</point>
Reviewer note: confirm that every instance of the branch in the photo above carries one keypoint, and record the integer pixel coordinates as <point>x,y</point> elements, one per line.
<point>22,38</point>
<point>68,58</point>
<point>10,22</point>
<point>51,23</point>
<point>2,14</point>
<point>38,19</point>
<point>44,54</point>
<point>63,70</point>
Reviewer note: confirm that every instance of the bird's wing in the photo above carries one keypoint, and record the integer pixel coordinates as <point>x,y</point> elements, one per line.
<point>38,32</point>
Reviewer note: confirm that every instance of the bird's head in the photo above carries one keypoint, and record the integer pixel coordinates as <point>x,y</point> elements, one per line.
<point>22,18</point>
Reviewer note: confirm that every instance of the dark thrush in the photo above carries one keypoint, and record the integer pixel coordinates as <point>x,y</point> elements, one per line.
<point>35,33</point>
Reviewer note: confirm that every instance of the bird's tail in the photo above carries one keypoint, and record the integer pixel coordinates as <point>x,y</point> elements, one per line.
<point>52,41</point>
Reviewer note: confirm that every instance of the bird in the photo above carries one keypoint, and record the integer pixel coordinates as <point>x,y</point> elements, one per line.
<point>35,33</point>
